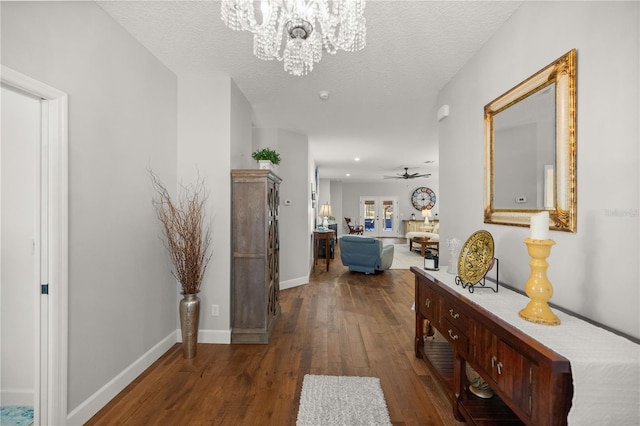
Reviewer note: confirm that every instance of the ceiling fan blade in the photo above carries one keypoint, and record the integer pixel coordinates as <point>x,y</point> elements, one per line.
<point>407,175</point>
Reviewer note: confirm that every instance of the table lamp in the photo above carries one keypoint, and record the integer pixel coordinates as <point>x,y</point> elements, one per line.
<point>325,212</point>
<point>426,213</point>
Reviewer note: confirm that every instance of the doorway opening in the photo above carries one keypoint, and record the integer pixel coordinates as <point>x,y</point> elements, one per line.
<point>38,188</point>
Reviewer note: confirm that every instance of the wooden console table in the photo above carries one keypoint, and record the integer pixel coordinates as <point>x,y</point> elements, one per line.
<point>593,382</point>
<point>317,237</point>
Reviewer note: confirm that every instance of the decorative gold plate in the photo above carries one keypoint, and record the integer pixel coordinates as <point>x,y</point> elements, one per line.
<point>476,257</point>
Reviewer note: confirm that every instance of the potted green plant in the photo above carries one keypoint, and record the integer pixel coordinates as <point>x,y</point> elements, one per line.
<point>266,158</point>
<point>187,239</point>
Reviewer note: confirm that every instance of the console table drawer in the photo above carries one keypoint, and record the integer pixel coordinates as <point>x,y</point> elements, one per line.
<point>455,315</point>
<point>454,335</point>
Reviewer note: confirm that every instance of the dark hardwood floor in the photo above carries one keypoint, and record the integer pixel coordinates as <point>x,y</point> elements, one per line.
<point>341,323</point>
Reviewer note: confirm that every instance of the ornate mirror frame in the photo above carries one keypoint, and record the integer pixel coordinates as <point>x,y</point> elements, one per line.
<point>562,216</point>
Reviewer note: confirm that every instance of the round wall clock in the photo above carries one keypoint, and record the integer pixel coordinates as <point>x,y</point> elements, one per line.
<point>423,197</point>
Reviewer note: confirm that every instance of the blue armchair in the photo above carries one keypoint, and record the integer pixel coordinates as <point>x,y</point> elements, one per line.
<point>365,254</point>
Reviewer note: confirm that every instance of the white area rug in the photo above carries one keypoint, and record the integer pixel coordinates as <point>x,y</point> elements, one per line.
<point>342,400</point>
<point>404,259</point>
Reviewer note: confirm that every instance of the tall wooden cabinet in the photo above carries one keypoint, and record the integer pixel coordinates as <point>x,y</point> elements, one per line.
<point>255,255</point>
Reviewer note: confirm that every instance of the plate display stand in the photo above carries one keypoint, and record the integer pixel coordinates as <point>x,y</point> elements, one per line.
<point>475,260</point>
<point>483,282</point>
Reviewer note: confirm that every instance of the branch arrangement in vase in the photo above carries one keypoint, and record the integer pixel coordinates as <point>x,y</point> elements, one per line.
<point>187,236</point>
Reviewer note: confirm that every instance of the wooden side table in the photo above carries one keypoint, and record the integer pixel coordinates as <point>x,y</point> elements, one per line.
<point>317,237</point>
<point>424,242</point>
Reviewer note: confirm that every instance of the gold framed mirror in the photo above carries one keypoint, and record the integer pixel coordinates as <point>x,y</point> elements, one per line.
<point>530,149</point>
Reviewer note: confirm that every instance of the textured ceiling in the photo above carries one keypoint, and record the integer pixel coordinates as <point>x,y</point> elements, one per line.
<point>380,97</point>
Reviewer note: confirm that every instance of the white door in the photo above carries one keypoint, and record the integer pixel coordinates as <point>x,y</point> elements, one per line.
<point>33,247</point>
<point>379,215</point>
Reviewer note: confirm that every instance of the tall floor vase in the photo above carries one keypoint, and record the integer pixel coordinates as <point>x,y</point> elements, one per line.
<point>189,319</point>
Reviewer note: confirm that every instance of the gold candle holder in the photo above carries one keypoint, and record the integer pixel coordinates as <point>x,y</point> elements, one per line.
<point>538,287</point>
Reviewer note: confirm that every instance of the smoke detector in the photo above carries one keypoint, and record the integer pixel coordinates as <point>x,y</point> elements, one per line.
<point>324,95</point>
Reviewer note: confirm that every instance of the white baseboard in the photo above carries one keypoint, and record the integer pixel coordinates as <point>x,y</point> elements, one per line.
<point>95,402</point>
<point>294,282</point>
<point>16,397</point>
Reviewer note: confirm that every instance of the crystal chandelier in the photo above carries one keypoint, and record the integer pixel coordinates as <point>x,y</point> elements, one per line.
<point>295,31</point>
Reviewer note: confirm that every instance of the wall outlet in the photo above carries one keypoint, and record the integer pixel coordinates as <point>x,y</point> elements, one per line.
<point>215,310</point>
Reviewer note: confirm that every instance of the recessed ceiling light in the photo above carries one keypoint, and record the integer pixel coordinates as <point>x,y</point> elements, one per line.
<point>356,159</point>
<point>348,174</point>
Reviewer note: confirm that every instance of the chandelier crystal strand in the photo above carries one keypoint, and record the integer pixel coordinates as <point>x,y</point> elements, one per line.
<point>293,61</point>
<point>266,43</point>
<point>296,31</point>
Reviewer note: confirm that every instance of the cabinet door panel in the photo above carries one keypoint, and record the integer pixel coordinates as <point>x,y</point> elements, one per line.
<point>508,367</point>
<point>484,350</point>
<point>249,305</point>
<point>514,375</point>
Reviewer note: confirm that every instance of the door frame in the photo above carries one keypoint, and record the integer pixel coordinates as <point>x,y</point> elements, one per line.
<point>50,394</point>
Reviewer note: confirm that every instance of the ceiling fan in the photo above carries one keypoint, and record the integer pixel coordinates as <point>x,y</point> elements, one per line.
<point>407,175</point>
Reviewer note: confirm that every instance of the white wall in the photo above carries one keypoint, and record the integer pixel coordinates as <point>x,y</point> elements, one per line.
<point>122,121</point>
<point>594,271</point>
<point>323,197</point>
<point>311,210</point>
<point>241,130</point>
<point>265,138</point>
<point>335,189</point>
<point>294,248</point>
<point>324,192</point>
<point>204,135</point>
